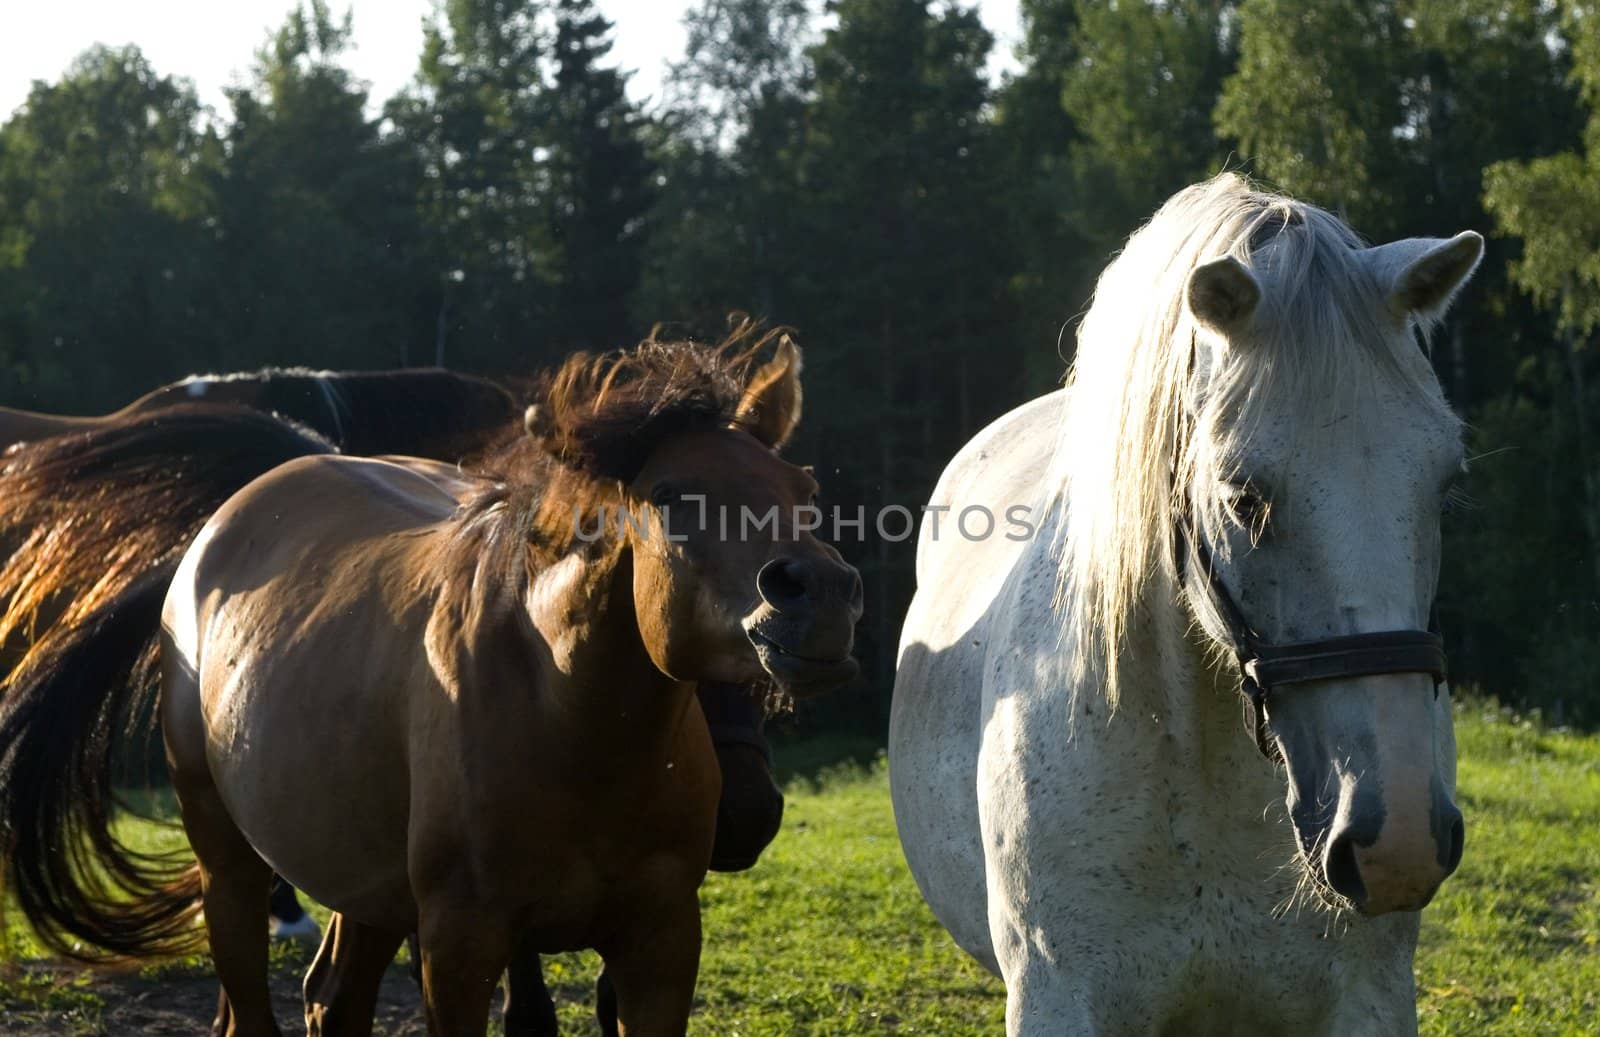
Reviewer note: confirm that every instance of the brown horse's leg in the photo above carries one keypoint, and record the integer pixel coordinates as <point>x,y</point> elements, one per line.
<point>463,953</point>
<point>235,882</point>
<point>342,986</point>
<point>653,971</point>
<point>529,1009</point>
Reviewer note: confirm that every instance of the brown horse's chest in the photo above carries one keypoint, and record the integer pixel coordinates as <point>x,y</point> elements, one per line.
<point>578,836</point>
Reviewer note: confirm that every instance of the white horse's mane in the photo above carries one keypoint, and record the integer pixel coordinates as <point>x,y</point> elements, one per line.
<point>1321,336</point>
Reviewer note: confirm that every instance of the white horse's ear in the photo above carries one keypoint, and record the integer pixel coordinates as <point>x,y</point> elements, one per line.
<point>770,408</point>
<point>1223,295</point>
<point>1421,275</point>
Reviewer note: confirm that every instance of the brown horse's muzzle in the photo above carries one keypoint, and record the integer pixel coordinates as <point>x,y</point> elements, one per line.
<point>805,626</point>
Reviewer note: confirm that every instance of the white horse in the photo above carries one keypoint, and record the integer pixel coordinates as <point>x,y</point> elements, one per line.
<point>1245,473</point>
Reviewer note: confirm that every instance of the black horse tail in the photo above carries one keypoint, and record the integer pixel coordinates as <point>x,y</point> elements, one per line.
<point>105,518</point>
<point>84,515</point>
<point>65,714</point>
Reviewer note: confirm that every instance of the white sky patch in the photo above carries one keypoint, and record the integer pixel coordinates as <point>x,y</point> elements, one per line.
<point>214,44</point>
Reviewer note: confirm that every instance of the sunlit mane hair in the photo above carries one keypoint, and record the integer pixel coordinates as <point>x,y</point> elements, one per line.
<point>591,428</point>
<point>1144,420</point>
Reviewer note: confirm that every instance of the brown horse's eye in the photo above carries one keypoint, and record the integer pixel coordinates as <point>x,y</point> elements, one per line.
<point>665,494</point>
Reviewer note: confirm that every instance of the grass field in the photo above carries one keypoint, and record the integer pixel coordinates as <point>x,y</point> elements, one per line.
<point>828,935</point>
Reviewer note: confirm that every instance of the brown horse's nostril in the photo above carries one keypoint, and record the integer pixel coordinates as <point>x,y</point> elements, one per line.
<point>782,583</point>
<point>787,584</point>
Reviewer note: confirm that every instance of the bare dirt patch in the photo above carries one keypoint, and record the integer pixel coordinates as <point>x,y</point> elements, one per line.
<point>68,1001</point>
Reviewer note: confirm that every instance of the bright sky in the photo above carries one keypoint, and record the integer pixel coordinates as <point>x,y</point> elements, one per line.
<point>214,42</point>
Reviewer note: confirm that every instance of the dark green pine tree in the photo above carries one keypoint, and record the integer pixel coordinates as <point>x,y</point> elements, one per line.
<point>723,228</point>
<point>1111,113</point>
<point>1037,138</point>
<point>599,184</point>
<point>904,260</point>
<point>318,214</point>
<point>1141,91</point>
<point>1534,544</point>
<point>474,118</point>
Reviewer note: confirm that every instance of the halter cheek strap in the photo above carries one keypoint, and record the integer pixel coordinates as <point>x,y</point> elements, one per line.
<point>1265,666</point>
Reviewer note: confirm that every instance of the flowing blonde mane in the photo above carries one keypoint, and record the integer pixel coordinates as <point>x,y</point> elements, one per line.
<point>1144,420</point>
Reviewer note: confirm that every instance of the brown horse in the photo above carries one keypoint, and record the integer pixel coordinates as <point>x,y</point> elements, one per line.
<point>453,761</point>
<point>425,412</point>
<point>93,512</point>
<point>749,814</point>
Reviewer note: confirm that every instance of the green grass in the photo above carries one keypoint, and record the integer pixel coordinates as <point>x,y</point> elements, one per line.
<point>1512,944</point>
<point>829,935</point>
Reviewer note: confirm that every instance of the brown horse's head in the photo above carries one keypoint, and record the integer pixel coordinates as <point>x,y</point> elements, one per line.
<point>729,582</point>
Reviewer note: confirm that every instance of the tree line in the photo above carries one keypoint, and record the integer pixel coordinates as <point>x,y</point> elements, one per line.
<point>852,172</point>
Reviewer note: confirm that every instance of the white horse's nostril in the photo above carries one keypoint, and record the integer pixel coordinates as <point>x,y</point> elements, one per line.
<point>1341,871</point>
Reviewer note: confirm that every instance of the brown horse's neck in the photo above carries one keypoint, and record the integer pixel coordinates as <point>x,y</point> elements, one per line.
<point>582,608</point>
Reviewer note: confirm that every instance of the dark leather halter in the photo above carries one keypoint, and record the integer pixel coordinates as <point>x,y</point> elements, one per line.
<point>1265,667</point>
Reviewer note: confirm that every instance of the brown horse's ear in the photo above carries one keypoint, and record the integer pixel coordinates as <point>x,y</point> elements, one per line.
<point>770,408</point>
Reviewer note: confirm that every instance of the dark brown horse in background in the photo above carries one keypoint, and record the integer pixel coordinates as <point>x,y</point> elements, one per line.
<point>421,412</point>
<point>764,796</point>
<point>66,550</point>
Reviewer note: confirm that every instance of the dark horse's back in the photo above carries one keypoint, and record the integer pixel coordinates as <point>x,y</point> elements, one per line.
<point>422,412</point>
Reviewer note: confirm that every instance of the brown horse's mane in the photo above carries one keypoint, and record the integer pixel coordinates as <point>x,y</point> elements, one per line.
<point>593,425</point>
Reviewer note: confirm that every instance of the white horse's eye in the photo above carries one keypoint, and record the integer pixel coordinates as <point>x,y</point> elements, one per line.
<point>1247,506</point>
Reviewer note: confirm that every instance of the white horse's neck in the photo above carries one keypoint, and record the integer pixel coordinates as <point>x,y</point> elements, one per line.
<point>1171,679</point>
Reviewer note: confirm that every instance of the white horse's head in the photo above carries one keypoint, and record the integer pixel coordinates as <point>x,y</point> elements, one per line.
<point>1270,392</point>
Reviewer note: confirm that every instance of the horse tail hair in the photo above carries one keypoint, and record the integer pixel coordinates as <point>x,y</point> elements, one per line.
<point>102,520</point>
<point>85,892</point>
<point>86,514</point>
